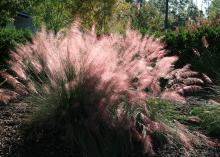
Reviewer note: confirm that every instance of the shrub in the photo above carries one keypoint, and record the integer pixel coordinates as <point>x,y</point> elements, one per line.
<point>9,39</point>
<point>196,47</point>
<point>80,81</point>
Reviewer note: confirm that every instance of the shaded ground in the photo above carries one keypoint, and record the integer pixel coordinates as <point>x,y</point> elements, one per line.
<point>14,142</point>
<point>11,119</point>
<point>42,143</point>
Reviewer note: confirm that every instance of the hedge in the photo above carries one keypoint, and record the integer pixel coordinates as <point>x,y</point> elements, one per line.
<point>200,48</point>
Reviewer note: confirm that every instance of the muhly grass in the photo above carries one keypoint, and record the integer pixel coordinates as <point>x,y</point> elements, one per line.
<point>190,134</point>
<point>80,82</point>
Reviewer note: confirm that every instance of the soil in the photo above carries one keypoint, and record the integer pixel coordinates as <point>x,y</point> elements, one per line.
<point>14,142</point>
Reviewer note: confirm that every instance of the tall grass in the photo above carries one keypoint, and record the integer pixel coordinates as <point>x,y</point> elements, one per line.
<point>79,82</point>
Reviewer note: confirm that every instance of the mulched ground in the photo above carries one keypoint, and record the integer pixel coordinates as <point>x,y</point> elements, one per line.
<point>12,117</point>
<point>14,142</point>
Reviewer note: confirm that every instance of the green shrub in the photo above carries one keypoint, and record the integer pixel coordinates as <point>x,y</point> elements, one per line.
<point>9,38</point>
<point>199,48</point>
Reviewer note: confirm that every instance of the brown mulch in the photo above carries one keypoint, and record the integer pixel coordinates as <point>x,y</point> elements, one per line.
<point>12,117</point>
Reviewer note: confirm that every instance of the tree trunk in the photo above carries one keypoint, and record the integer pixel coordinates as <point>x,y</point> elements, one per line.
<point>166,15</point>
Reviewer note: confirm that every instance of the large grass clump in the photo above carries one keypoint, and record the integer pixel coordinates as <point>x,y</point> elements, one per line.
<point>80,83</point>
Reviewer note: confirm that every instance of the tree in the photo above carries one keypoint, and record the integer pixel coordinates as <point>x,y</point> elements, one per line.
<point>121,16</point>
<point>166,15</point>
<point>160,4</point>
<point>97,12</point>
<point>214,9</point>
<point>192,12</point>
<point>107,15</point>
<point>147,18</point>
<point>179,10</point>
<point>54,14</point>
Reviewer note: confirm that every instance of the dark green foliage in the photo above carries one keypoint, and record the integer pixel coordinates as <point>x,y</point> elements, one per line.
<point>163,82</point>
<point>9,38</point>
<point>9,9</point>
<point>199,48</point>
<point>159,139</point>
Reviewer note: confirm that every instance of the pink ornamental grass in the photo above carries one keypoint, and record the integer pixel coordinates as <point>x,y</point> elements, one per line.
<point>122,65</point>
<point>79,70</point>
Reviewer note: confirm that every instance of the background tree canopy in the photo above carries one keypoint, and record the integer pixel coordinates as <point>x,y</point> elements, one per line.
<point>214,9</point>
<point>102,13</point>
<point>107,15</point>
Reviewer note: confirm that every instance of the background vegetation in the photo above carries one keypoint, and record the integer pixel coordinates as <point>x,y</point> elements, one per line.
<point>9,39</point>
<point>197,47</point>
